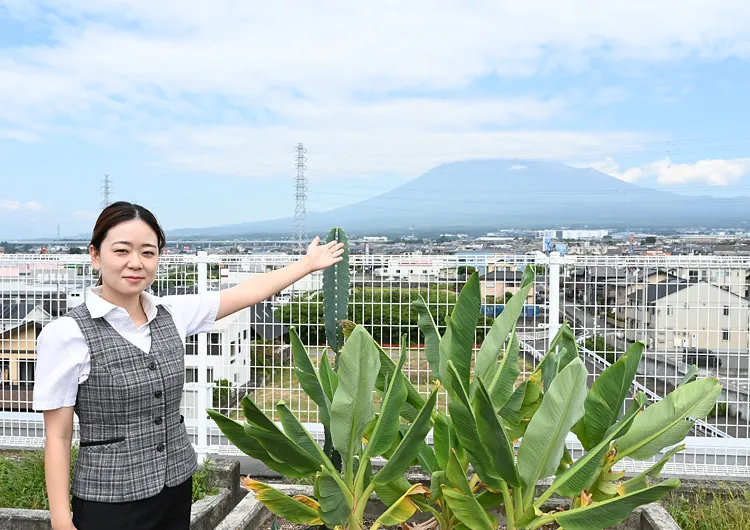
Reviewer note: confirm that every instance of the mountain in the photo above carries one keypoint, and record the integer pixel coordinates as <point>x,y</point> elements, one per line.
<point>482,195</point>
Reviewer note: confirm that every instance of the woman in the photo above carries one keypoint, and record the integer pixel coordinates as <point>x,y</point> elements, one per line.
<point>117,361</point>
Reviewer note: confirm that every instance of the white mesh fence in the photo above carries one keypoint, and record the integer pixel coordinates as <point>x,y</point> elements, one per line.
<point>688,310</point>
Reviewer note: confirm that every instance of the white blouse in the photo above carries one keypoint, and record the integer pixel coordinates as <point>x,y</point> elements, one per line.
<point>63,360</point>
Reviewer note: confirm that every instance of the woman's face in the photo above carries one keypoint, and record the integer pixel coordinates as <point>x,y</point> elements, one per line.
<point>128,259</point>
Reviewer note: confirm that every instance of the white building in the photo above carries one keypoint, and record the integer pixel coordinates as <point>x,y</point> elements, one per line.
<point>412,268</point>
<point>674,316</point>
<point>572,234</point>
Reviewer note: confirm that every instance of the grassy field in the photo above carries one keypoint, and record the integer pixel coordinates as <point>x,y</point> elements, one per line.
<point>281,385</point>
<point>22,480</point>
<point>730,511</point>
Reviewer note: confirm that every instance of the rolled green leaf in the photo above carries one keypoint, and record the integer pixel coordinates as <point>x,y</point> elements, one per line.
<point>503,382</point>
<point>427,326</point>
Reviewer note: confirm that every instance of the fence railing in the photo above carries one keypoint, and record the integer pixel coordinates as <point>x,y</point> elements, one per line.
<point>688,310</point>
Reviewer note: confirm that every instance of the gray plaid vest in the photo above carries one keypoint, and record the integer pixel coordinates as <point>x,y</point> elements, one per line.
<point>133,438</point>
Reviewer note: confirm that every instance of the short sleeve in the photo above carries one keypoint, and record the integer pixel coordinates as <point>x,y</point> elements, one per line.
<point>194,313</point>
<point>62,363</point>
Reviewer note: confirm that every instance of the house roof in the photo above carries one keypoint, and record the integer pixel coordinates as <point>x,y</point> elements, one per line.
<point>657,291</point>
<point>16,310</point>
<point>264,322</point>
<point>507,276</point>
<point>607,273</point>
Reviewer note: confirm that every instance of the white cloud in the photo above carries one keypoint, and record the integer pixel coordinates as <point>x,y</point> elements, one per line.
<point>7,205</point>
<point>517,167</point>
<point>230,86</point>
<point>711,172</point>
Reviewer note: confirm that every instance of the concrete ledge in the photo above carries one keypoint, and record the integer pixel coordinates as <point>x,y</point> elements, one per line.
<point>206,514</point>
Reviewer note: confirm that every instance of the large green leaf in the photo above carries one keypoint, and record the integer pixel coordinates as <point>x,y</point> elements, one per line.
<point>442,438</point>
<point>308,378</point>
<point>502,385</point>
<point>387,425</point>
<point>427,326</point>
<point>336,282</point>
<point>409,448</point>
<point>581,474</point>
<point>501,328</point>
<point>235,433</point>
<point>465,426</point>
<point>291,509</point>
<point>402,509</point>
<point>336,501</point>
<point>493,436</point>
<point>613,511</point>
<point>640,481</point>
<point>542,446</point>
<point>353,404</point>
<point>455,474</point>
<point>458,340</point>
<point>604,402</point>
<point>468,510</point>
<point>665,423</point>
<point>276,442</point>
<point>297,432</point>
<point>390,492</point>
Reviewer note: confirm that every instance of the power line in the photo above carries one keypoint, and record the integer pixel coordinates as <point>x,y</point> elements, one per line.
<point>300,195</point>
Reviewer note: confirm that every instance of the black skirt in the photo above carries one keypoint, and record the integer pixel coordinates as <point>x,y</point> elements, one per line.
<point>168,510</point>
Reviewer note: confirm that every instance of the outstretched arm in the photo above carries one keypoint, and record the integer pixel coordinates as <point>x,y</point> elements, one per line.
<point>259,288</point>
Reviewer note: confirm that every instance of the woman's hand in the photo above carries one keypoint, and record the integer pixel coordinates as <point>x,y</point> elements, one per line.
<point>323,256</point>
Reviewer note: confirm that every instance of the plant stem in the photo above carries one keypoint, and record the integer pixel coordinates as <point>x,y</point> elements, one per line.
<point>518,501</point>
<point>509,511</point>
<point>361,502</point>
<point>543,521</point>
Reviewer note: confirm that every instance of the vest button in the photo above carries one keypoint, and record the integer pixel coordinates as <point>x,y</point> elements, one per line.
<point>157,421</point>
<point>160,447</point>
<point>157,394</point>
<point>152,365</point>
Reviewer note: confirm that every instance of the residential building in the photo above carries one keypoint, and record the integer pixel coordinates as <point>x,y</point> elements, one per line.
<point>673,316</point>
<point>496,284</point>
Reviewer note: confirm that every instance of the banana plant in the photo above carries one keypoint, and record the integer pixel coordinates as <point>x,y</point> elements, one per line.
<point>360,433</point>
<point>488,415</point>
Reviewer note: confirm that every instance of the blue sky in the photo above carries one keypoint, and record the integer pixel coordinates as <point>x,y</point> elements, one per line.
<point>195,111</point>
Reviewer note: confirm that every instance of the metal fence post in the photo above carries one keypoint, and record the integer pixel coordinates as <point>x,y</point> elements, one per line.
<point>553,316</point>
<point>202,362</point>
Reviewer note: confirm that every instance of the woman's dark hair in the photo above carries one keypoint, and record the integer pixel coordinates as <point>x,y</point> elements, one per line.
<point>121,212</point>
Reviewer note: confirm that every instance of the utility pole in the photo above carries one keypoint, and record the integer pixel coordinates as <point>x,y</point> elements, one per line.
<point>106,191</point>
<point>300,195</point>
